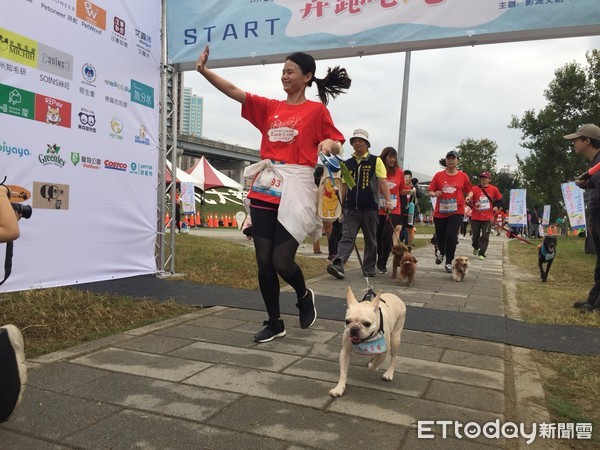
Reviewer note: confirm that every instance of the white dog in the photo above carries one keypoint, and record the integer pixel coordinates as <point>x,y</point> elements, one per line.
<point>372,328</point>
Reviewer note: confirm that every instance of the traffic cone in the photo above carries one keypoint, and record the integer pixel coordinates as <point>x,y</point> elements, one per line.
<point>198,219</point>
<point>167,218</point>
<point>234,222</point>
<point>211,221</point>
<point>227,220</point>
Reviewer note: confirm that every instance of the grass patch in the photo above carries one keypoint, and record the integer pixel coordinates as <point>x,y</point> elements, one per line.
<point>571,382</point>
<point>57,318</point>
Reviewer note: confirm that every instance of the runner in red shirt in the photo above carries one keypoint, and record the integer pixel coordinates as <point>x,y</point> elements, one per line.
<point>451,188</point>
<point>283,199</point>
<point>487,201</point>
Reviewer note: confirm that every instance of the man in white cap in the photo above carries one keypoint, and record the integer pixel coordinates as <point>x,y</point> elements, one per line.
<point>361,205</point>
<point>586,142</point>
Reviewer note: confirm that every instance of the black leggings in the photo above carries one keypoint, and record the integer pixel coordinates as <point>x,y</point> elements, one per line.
<point>446,231</point>
<point>275,253</point>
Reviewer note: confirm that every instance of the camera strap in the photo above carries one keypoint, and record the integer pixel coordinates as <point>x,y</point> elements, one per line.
<point>8,261</point>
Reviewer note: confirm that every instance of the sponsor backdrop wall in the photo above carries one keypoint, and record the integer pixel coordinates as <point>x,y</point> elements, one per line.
<point>79,124</point>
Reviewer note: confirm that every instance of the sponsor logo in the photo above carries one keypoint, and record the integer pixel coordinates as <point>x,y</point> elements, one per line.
<point>87,120</point>
<point>145,170</point>
<point>53,111</point>
<point>114,165</point>
<point>47,195</point>
<point>75,158</point>
<point>51,157</point>
<point>88,72</point>
<point>92,14</point>
<point>119,26</point>
<point>56,62</point>
<point>142,94</point>
<point>141,137</point>
<point>133,168</point>
<point>90,162</point>
<point>10,150</point>
<point>17,48</point>
<point>116,125</point>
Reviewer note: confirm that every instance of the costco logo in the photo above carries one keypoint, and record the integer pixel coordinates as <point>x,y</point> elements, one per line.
<point>108,164</point>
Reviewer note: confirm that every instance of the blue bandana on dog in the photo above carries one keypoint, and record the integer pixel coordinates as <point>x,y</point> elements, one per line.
<point>374,346</point>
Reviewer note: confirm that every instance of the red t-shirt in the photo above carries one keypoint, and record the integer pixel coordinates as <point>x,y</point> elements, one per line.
<point>454,190</point>
<point>395,182</point>
<point>290,133</point>
<point>483,208</point>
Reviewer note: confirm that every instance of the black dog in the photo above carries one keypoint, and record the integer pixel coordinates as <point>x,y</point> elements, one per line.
<point>546,254</point>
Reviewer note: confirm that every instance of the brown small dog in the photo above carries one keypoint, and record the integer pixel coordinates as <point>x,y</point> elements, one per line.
<point>408,268</point>
<point>398,250</point>
<point>460,267</point>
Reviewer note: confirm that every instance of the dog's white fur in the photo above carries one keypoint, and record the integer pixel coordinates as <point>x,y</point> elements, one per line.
<point>362,322</point>
<point>460,268</point>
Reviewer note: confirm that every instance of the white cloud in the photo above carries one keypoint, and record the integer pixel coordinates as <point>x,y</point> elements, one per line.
<point>456,93</point>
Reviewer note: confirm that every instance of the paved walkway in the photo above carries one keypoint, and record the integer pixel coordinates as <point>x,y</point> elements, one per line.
<point>199,381</point>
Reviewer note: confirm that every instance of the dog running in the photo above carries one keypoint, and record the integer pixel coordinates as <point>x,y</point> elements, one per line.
<point>546,254</point>
<point>372,328</point>
<point>460,268</point>
<point>398,250</point>
<point>408,269</point>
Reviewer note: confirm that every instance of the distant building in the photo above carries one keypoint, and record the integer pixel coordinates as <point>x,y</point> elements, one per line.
<point>192,113</point>
<point>192,117</point>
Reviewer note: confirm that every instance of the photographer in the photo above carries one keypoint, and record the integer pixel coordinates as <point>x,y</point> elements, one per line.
<point>13,371</point>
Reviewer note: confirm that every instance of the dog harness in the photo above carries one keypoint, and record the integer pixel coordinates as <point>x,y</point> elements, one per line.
<point>375,345</point>
<point>545,253</point>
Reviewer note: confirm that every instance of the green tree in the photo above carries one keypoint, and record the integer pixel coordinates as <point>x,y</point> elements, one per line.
<point>477,156</point>
<point>573,100</point>
<point>505,182</point>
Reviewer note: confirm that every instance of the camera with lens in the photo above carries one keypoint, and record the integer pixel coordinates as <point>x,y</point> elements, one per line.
<point>24,210</point>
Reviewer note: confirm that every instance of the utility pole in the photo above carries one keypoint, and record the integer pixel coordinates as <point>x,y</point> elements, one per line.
<point>403,108</point>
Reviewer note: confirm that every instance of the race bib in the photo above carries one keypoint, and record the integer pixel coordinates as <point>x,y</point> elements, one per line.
<point>382,201</point>
<point>484,204</point>
<point>447,205</point>
<point>268,182</point>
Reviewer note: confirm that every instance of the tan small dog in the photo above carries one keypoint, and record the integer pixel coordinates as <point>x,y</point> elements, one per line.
<point>460,268</point>
<point>408,269</point>
<point>398,250</point>
<point>366,322</point>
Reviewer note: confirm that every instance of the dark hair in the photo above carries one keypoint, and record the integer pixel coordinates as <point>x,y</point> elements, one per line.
<point>443,162</point>
<point>387,152</point>
<point>335,82</point>
<point>594,143</point>
<point>408,172</point>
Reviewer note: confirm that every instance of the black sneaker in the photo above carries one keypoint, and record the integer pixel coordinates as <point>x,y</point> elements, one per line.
<point>274,329</point>
<point>307,310</point>
<point>13,370</point>
<point>589,308</point>
<point>580,305</point>
<point>336,269</point>
<point>371,274</point>
<point>382,270</point>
